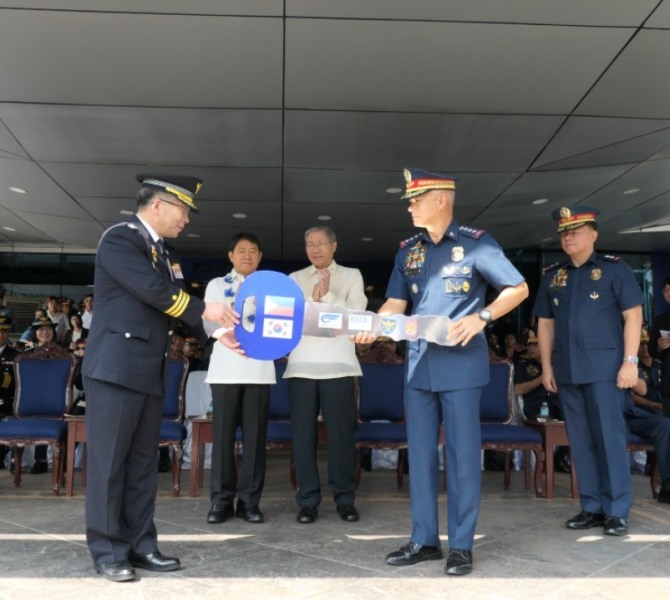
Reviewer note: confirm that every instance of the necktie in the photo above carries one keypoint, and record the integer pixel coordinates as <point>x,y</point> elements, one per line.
<point>164,256</point>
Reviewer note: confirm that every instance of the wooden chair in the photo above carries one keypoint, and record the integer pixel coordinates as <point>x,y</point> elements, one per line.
<point>381,414</point>
<point>499,432</point>
<point>44,378</point>
<point>637,443</point>
<point>173,432</point>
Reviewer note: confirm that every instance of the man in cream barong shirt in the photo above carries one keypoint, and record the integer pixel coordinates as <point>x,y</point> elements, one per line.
<point>321,373</point>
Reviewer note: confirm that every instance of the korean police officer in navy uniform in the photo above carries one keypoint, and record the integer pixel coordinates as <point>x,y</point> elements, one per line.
<point>139,294</point>
<point>590,360</point>
<point>445,270</point>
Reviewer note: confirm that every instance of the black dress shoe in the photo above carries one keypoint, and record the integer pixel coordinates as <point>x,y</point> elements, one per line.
<point>116,571</point>
<point>413,553</point>
<point>39,466</point>
<point>219,512</point>
<point>459,562</point>
<point>585,520</point>
<point>308,514</point>
<point>348,512</point>
<point>250,515</point>
<point>154,562</point>
<point>664,492</point>
<point>615,526</point>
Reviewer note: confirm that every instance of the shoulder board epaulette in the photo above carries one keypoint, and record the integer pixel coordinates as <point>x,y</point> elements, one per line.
<point>131,225</point>
<point>551,267</point>
<point>473,232</point>
<point>104,233</point>
<point>610,257</point>
<point>410,240</point>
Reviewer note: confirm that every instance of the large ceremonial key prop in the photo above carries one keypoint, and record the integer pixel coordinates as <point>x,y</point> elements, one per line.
<point>274,316</point>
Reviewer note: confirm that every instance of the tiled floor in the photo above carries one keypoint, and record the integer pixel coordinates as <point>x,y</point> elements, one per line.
<point>522,549</point>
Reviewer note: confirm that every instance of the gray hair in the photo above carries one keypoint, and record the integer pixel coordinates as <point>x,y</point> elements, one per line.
<point>327,230</point>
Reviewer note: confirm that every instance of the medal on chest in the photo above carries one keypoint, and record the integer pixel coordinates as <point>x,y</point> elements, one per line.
<point>176,271</point>
<point>560,279</point>
<point>416,257</point>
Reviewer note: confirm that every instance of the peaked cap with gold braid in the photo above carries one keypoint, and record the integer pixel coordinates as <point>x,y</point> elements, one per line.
<point>182,186</point>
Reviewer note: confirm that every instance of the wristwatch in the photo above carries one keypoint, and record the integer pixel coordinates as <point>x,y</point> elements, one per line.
<point>485,315</point>
<point>631,360</point>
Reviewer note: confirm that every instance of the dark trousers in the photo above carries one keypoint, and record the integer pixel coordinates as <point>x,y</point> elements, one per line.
<point>599,444</point>
<point>122,428</point>
<point>656,428</point>
<point>337,401</point>
<point>665,402</point>
<point>245,406</point>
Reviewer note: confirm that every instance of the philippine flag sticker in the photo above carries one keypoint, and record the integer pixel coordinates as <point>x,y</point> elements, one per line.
<point>278,328</point>
<point>279,306</point>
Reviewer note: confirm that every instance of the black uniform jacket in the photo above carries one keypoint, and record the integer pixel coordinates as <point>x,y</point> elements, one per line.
<point>138,298</point>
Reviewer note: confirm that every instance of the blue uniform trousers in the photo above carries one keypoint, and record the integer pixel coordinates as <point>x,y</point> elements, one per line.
<point>459,410</point>
<point>598,441</point>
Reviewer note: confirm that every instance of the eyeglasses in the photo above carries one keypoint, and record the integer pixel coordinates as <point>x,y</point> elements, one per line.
<point>312,246</point>
<point>185,210</point>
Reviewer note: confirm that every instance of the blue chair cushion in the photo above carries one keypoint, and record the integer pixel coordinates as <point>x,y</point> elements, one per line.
<point>279,431</point>
<point>381,392</point>
<point>173,379</point>
<point>33,428</point>
<point>377,432</point>
<point>172,430</point>
<point>43,389</point>
<point>280,404</point>
<point>499,433</point>
<point>494,401</point>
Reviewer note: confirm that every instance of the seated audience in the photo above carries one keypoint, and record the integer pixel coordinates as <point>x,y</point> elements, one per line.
<point>44,334</point>
<point>27,335</point>
<point>512,349</point>
<point>528,385</point>
<point>653,426</point>
<point>87,311</point>
<point>650,371</point>
<point>190,350</point>
<point>61,324</point>
<point>382,350</point>
<point>75,334</point>
<point>7,355</point>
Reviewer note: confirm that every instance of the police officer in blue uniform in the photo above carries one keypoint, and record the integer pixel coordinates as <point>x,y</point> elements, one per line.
<point>590,361</point>
<point>139,295</point>
<point>528,383</point>
<point>445,270</point>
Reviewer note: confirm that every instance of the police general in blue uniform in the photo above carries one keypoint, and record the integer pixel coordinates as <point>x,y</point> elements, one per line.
<point>445,270</point>
<point>139,294</point>
<point>591,360</point>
